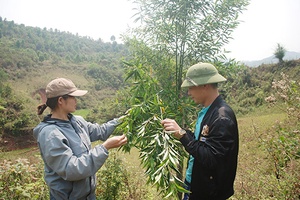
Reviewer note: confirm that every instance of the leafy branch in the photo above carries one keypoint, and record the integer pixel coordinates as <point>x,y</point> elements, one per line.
<point>160,154</point>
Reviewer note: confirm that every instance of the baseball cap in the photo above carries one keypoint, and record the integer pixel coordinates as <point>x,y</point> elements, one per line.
<point>201,74</point>
<point>63,86</point>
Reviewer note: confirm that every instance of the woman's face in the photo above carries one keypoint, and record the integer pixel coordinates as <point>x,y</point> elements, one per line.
<point>68,104</point>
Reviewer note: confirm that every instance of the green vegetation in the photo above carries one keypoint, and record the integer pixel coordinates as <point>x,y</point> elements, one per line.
<point>142,78</point>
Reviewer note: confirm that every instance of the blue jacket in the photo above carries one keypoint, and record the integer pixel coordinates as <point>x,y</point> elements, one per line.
<point>70,162</point>
<point>215,153</point>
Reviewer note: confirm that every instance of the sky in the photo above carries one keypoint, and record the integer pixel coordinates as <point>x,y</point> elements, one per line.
<point>263,25</point>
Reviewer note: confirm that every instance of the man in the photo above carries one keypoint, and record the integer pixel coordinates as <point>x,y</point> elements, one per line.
<point>213,147</point>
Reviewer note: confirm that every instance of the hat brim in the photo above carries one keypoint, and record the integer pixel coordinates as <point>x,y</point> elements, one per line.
<point>78,93</point>
<point>203,81</point>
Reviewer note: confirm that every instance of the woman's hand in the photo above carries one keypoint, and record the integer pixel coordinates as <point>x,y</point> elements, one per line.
<point>115,141</point>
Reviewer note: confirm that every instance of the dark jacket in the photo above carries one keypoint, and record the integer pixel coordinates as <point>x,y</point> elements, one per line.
<point>215,153</point>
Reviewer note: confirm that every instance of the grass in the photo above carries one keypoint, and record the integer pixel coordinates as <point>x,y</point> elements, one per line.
<point>30,153</point>
<point>82,112</point>
<point>252,158</point>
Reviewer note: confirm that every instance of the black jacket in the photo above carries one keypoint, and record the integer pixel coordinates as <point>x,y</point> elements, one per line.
<point>215,153</point>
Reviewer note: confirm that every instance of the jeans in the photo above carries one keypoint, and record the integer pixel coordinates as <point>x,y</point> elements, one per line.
<point>51,197</point>
<point>187,186</point>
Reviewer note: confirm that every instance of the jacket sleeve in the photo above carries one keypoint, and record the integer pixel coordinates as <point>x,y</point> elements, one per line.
<point>59,157</point>
<point>99,132</point>
<point>209,149</point>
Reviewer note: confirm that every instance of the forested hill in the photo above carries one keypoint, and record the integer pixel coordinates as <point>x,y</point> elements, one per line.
<point>25,48</point>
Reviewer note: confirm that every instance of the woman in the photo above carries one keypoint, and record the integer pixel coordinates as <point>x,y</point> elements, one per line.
<point>65,140</point>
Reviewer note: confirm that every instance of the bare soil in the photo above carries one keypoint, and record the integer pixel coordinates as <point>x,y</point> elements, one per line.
<point>10,143</point>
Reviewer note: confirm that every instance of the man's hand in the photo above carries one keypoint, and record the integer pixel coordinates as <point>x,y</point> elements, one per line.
<point>171,126</point>
<point>115,141</point>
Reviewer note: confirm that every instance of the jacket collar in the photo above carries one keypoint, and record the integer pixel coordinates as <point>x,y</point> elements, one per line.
<point>217,101</point>
<point>48,119</point>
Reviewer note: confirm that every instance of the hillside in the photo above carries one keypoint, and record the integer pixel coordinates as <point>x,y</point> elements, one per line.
<point>31,57</point>
<point>247,89</point>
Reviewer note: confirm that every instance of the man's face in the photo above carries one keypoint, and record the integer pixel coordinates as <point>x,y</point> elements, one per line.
<point>198,94</point>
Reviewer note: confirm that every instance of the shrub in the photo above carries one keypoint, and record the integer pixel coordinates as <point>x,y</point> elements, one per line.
<point>14,118</point>
<point>117,182</point>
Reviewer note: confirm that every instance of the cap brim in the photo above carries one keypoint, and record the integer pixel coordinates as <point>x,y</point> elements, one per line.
<point>203,81</point>
<point>186,84</point>
<point>78,93</point>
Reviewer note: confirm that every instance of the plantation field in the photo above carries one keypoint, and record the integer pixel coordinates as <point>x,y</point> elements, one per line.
<point>254,173</point>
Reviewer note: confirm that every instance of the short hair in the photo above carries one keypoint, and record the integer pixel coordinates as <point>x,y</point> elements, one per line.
<point>214,85</point>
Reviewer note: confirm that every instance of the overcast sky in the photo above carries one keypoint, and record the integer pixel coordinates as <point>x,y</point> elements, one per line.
<point>265,22</point>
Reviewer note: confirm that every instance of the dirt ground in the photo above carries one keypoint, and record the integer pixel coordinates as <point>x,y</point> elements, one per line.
<point>9,143</point>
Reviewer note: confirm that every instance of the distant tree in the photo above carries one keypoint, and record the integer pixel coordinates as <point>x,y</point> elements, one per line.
<point>112,38</point>
<point>114,42</point>
<point>3,77</point>
<point>18,44</point>
<point>279,52</point>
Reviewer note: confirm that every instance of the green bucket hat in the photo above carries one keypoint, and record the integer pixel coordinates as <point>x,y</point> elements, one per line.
<point>201,74</point>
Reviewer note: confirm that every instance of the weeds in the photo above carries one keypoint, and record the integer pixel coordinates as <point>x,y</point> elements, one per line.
<point>275,169</point>
<point>22,180</point>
